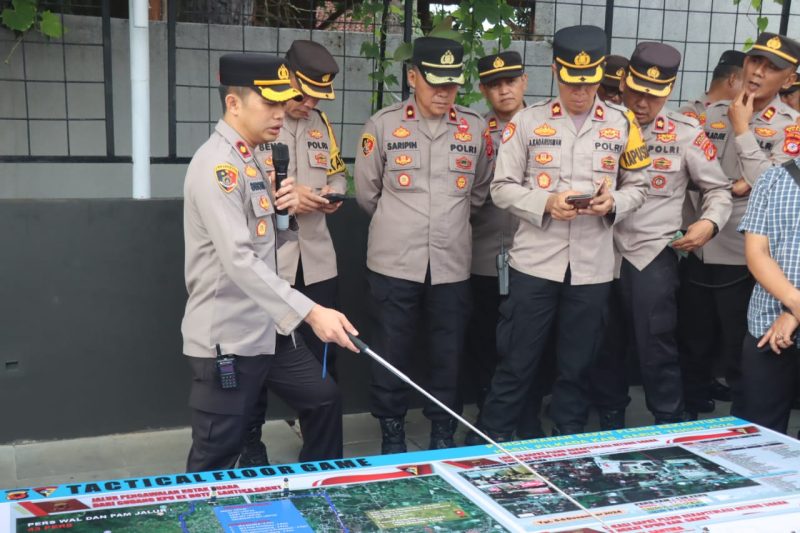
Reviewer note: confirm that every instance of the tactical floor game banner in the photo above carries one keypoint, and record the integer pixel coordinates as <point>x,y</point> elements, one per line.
<point>722,475</point>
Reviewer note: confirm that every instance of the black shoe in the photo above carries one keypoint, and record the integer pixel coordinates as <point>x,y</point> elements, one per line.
<point>254,452</point>
<point>720,391</point>
<point>611,419</point>
<point>442,434</point>
<point>393,433</point>
<point>567,430</point>
<point>701,406</point>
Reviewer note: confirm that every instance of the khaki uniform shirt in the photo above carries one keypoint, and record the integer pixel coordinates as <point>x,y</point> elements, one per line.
<point>696,109</point>
<point>420,189</point>
<point>680,152</point>
<point>492,227</point>
<point>542,154</point>
<point>236,299</point>
<point>314,161</point>
<point>771,140</point>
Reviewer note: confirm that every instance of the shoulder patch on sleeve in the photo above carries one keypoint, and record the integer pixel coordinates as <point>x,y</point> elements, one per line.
<point>508,132</point>
<point>635,155</point>
<point>227,177</point>
<point>367,144</point>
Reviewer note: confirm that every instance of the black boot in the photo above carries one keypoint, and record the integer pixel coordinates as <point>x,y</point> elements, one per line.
<point>442,434</point>
<point>393,433</point>
<point>254,452</point>
<point>611,419</point>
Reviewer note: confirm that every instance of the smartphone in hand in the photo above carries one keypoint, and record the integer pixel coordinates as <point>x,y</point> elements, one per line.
<point>579,201</point>
<point>335,198</point>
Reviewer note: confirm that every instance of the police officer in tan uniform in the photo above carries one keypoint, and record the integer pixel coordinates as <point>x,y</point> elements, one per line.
<point>238,308</point>
<point>609,90</point>
<point>562,259</point>
<point>424,165</point>
<point>309,262</point>
<point>701,387</point>
<point>503,82</point>
<point>648,243</point>
<point>751,133</point>
<point>726,83</point>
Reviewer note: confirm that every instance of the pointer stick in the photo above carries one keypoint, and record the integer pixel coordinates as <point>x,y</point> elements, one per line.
<point>362,346</point>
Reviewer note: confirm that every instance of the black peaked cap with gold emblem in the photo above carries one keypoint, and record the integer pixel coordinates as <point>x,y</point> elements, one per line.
<point>506,64</point>
<point>269,75</point>
<point>781,50</point>
<point>734,58</point>
<point>579,53</point>
<point>441,61</point>
<point>653,68</point>
<point>615,70</point>
<point>314,67</point>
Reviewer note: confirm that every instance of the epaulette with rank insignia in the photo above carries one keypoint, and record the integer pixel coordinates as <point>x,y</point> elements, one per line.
<point>493,124</point>
<point>555,110</point>
<point>768,113</point>
<point>599,113</point>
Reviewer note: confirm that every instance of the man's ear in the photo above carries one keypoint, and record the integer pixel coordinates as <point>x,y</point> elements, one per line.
<point>411,76</point>
<point>789,81</point>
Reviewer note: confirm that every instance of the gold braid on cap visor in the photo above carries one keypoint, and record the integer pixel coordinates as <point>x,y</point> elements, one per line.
<point>435,79</point>
<point>784,55</point>
<point>588,78</point>
<point>501,69</point>
<point>306,82</point>
<point>275,95</point>
<point>631,81</point>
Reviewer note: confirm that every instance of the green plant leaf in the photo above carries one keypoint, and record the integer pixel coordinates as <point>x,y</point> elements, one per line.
<point>748,44</point>
<point>50,25</point>
<point>21,17</point>
<point>445,24</point>
<point>762,23</point>
<point>756,4</point>
<point>370,49</point>
<point>403,52</point>
<point>447,34</point>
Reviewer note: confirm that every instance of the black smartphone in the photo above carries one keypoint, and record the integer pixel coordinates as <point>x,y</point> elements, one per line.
<point>579,201</point>
<point>335,198</point>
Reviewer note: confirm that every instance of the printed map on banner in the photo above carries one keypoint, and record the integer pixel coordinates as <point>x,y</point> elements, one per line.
<point>723,475</point>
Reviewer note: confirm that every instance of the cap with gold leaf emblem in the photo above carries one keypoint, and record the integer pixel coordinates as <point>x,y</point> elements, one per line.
<point>314,68</point>
<point>506,64</point>
<point>653,68</point>
<point>781,50</point>
<point>439,60</point>
<point>268,74</point>
<point>579,53</point>
<point>615,70</point>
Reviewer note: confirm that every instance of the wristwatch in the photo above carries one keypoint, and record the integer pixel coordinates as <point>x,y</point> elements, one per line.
<point>716,228</point>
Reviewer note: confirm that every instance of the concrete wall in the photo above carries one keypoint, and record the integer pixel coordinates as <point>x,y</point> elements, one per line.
<point>65,81</point>
<point>92,298</point>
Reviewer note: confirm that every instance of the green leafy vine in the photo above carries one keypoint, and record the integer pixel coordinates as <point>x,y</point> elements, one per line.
<point>24,16</point>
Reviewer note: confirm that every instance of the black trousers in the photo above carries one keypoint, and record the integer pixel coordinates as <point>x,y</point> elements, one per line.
<point>443,311</point>
<point>221,417</point>
<point>481,355</point>
<point>712,321</point>
<point>609,383</point>
<point>646,313</point>
<point>526,319</point>
<point>323,293</point>
<point>769,384</point>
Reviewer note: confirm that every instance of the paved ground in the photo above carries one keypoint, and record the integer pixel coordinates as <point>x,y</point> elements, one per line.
<point>164,452</point>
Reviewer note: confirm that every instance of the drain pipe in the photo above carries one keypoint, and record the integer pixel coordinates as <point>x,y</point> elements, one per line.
<point>140,96</point>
